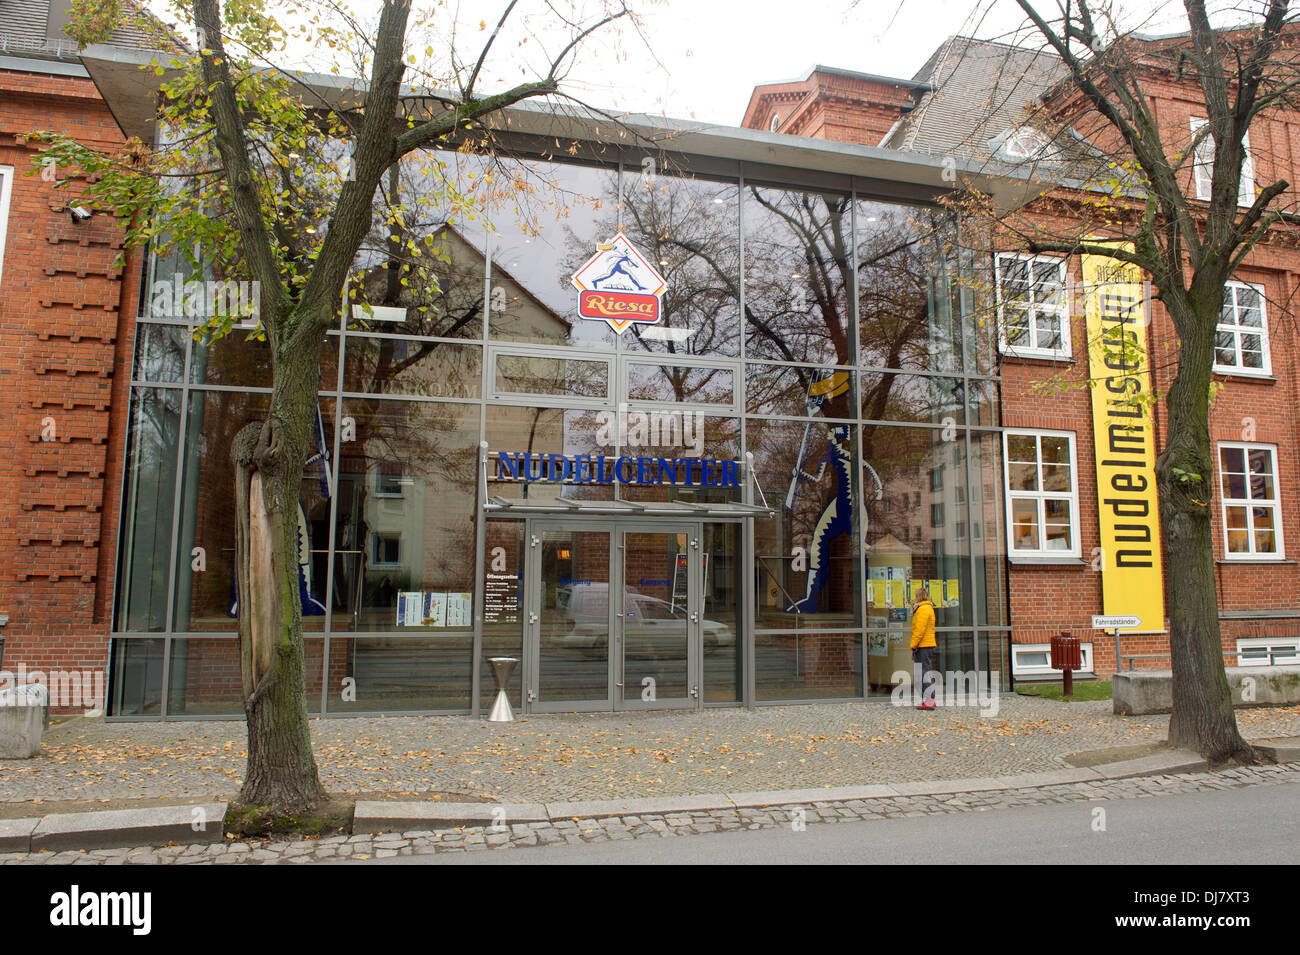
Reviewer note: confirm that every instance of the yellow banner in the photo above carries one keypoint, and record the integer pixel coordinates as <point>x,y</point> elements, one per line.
<point>1124,440</point>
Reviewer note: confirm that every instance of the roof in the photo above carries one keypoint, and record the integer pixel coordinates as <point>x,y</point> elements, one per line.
<point>33,29</point>
<point>131,93</point>
<point>979,91</point>
<point>911,84</point>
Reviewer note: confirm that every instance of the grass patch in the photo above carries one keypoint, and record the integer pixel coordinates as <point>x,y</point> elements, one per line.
<point>1083,690</point>
<point>328,818</point>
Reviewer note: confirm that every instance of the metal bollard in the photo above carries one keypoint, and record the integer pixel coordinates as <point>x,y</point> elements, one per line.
<point>502,668</point>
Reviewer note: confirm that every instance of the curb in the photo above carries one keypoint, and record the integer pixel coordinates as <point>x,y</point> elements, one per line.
<point>198,824</point>
<point>374,816</point>
<point>203,823</point>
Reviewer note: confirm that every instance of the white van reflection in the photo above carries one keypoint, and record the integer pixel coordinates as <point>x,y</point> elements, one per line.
<point>652,627</point>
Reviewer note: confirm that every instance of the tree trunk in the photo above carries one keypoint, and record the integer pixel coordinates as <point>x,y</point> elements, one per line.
<point>1202,717</point>
<point>268,457</point>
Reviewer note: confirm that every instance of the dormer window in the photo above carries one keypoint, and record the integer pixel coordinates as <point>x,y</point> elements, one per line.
<point>1024,143</point>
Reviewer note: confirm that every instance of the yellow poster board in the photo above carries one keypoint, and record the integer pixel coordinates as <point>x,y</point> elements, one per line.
<point>1124,440</point>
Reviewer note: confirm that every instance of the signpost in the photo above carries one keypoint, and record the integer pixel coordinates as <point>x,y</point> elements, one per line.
<point>1116,622</point>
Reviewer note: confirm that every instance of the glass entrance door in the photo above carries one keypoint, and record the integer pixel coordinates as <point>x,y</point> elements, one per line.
<point>570,619</point>
<point>658,617</point>
<point>613,617</point>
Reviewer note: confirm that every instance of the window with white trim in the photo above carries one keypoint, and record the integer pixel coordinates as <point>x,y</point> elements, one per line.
<point>6,187</point>
<point>1035,659</point>
<point>1024,143</point>
<point>1042,494</point>
<point>1203,167</point>
<point>1241,337</point>
<point>1268,651</point>
<point>1033,316</point>
<point>1248,493</point>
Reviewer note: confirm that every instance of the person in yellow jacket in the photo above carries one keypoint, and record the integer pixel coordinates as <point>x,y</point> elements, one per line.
<point>923,646</point>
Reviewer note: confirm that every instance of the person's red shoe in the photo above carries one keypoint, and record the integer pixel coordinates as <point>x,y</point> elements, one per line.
<point>926,705</point>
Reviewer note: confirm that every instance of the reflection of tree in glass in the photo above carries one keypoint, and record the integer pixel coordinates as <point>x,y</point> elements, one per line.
<point>797,254</point>
<point>415,258</point>
<point>900,303</point>
<point>688,229</point>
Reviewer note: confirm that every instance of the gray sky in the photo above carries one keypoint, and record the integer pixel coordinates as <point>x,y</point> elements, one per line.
<point>701,59</point>
<point>711,53</point>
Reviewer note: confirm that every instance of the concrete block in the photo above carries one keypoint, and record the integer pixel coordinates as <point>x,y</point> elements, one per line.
<point>1139,693</point>
<point>384,816</point>
<point>16,834</point>
<point>121,828</point>
<point>20,731</point>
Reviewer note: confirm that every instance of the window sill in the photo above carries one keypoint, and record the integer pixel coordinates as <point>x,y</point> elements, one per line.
<point>1045,357</point>
<point>1253,560</point>
<point>1047,561</point>
<point>1262,377</point>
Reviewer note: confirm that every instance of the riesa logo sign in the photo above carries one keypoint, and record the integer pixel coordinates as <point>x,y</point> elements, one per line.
<point>618,285</point>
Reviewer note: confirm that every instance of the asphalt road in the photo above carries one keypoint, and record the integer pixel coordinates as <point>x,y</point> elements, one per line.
<point>1252,825</point>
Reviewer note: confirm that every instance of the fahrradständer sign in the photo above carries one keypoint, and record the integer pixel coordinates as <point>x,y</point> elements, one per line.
<point>1116,621</point>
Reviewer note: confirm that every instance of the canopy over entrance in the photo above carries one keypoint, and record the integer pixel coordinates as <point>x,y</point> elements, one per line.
<point>521,507</point>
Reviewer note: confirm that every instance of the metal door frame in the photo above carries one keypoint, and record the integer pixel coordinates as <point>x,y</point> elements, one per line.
<point>694,611</point>
<point>531,681</point>
<point>616,528</point>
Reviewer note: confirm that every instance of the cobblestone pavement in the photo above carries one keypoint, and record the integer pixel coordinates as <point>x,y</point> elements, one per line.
<point>563,757</point>
<point>520,836</point>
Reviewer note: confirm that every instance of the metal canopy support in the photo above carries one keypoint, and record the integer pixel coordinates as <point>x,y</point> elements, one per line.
<point>518,507</point>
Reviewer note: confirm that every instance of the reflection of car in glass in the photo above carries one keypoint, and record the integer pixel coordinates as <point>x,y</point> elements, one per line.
<point>650,625</point>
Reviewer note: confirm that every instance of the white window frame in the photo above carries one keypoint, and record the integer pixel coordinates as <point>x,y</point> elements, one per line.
<point>1039,495</point>
<point>1268,643</point>
<point>1025,142</point>
<point>1203,167</point>
<point>1033,351</point>
<point>1236,331</point>
<point>6,188</point>
<point>1017,669</point>
<point>1249,504</point>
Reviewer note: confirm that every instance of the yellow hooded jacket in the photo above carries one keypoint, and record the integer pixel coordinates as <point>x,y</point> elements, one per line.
<point>923,625</point>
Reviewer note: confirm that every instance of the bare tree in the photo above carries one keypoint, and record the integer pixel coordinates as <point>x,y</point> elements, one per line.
<point>278,182</point>
<point>1190,247</point>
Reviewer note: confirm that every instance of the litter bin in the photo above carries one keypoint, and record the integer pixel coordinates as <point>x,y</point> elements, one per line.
<point>502,667</point>
<point>1067,656</point>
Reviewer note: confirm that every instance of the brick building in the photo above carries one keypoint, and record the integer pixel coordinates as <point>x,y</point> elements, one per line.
<point>970,101</point>
<point>66,334</point>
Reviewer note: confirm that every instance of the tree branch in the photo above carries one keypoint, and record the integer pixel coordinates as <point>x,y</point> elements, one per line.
<point>232,144</point>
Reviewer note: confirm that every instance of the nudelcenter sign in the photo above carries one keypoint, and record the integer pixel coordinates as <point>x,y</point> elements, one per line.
<point>1124,440</point>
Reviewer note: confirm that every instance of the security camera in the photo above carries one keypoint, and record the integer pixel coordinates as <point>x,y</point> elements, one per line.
<point>79,214</point>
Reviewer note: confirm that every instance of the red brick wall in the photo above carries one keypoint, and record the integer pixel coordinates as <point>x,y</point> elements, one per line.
<point>1048,599</point>
<point>847,109</point>
<point>66,330</point>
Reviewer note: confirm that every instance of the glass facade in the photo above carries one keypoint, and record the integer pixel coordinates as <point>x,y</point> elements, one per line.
<point>828,333</point>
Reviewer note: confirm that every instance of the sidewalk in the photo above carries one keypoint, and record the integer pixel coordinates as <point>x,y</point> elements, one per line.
<point>430,837</point>
<point>576,757</point>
